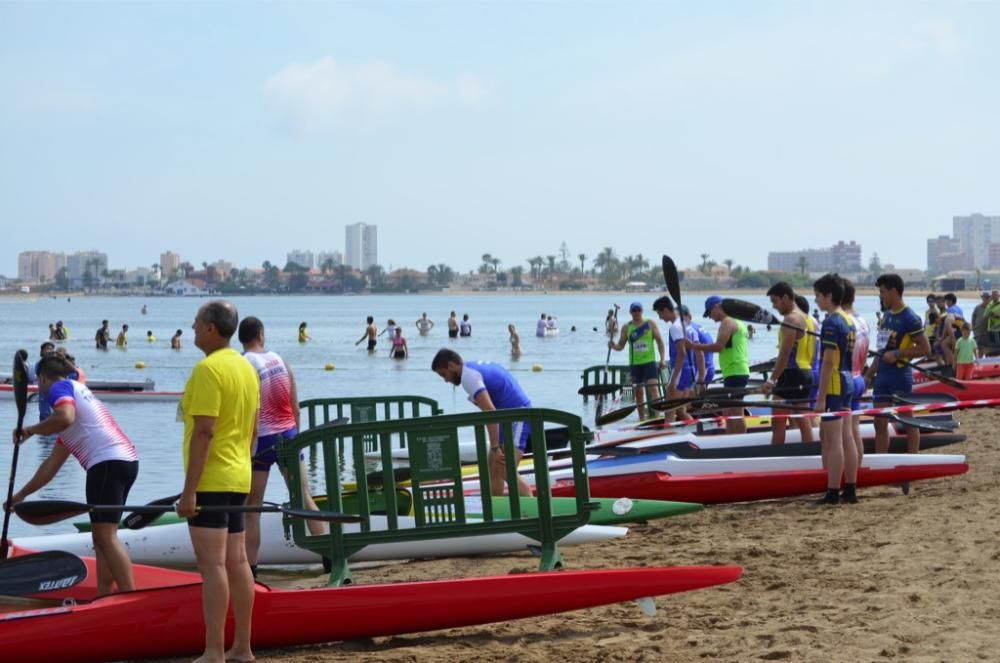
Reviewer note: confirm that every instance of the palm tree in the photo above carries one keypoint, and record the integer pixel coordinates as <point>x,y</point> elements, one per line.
<point>605,259</point>
<point>375,274</point>
<point>496,264</point>
<point>552,264</point>
<point>536,267</point>
<point>704,263</point>
<point>728,262</point>
<point>802,263</point>
<point>515,276</point>
<point>155,269</point>
<point>326,267</point>
<point>487,261</point>
<point>583,260</point>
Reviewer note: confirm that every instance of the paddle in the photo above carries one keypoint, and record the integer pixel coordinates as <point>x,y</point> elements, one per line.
<point>598,389</point>
<point>750,312</point>
<point>20,377</point>
<point>925,425</point>
<point>40,572</point>
<point>140,519</point>
<point>43,512</point>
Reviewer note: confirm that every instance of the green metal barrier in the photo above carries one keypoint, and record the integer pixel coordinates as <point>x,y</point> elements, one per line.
<point>362,409</point>
<point>612,374</point>
<point>436,482</point>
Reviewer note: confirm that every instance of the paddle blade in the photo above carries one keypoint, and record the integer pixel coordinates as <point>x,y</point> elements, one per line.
<point>44,512</point>
<point>325,516</point>
<point>20,375</point>
<point>598,389</point>
<point>614,415</point>
<point>748,312</point>
<point>925,425</point>
<point>140,519</point>
<point>40,572</point>
<point>672,279</point>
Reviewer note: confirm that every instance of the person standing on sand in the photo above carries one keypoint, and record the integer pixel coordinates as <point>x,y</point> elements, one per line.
<point>220,404</point>
<point>424,325</point>
<point>979,328</point>
<point>792,377</point>
<point>490,387</point>
<point>862,341</point>
<point>371,333</point>
<point>900,338</point>
<point>683,367</point>
<point>840,457</point>
<point>452,325</point>
<point>731,344</point>
<point>640,334</point>
<point>277,422</point>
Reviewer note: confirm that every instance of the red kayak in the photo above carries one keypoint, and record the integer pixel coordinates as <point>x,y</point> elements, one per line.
<point>983,369</point>
<point>744,486</point>
<point>974,389</point>
<point>167,621</point>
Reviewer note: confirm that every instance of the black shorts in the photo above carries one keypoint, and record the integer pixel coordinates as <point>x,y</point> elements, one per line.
<point>452,333</point>
<point>794,383</point>
<point>109,483</point>
<point>371,345</point>
<point>234,521</point>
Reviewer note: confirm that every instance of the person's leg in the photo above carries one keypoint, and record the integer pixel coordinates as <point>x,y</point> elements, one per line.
<point>831,437</point>
<point>258,485</point>
<point>652,394</point>
<point>113,564</point>
<point>523,488</point>
<point>737,423</point>
<point>209,545</point>
<point>640,398</point>
<point>315,527</point>
<point>498,473</point>
<point>778,424</point>
<point>241,593</point>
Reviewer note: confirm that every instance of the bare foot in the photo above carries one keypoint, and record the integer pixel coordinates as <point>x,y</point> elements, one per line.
<point>210,658</point>
<point>240,655</point>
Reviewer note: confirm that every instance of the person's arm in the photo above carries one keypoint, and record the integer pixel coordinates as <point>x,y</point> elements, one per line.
<point>726,329</point>
<point>44,474</point>
<point>62,417</point>
<point>293,396</point>
<point>659,344</point>
<point>784,357</point>
<point>363,337</point>
<point>621,340</point>
<point>825,373</point>
<point>201,442</point>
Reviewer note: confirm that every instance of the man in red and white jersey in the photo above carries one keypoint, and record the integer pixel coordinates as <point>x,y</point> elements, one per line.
<point>277,420</point>
<point>88,432</point>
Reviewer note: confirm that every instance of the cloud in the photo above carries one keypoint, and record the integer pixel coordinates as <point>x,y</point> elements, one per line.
<point>316,96</point>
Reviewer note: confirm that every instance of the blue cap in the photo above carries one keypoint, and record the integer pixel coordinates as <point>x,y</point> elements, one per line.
<point>635,305</point>
<point>711,303</point>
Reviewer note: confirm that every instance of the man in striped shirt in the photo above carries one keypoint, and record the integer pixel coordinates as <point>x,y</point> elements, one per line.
<point>88,432</point>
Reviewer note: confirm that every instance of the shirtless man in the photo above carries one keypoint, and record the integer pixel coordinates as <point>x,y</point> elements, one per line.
<point>424,325</point>
<point>371,333</point>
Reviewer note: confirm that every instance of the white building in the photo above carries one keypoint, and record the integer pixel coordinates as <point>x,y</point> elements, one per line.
<point>361,245</point>
<point>81,263</point>
<point>335,257</point>
<point>301,258</point>
<point>170,263</point>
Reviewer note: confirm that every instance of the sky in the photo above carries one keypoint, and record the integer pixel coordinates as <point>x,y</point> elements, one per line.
<point>243,130</point>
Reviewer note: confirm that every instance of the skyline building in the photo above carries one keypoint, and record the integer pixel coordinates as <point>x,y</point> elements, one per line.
<point>301,258</point>
<point>975,233</point>
<point>361,245</point>
<point>86,267</point>
<point>39,266</point>
<point>170,262</point>
<point>842,257</point>
<point>335,257</point>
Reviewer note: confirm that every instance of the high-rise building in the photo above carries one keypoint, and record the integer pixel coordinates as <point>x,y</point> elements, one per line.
<point>39,266</point>
<point>975,233</point>
<point>86,268</point>
<point>361,249</point>
<point>842,257</point>
<point>301,258</point>
<point>170,264</point>
<point>944,254</point>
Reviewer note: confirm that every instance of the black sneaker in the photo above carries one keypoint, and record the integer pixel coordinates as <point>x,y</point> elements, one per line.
<point>849,498</point>
<point>828,500</point>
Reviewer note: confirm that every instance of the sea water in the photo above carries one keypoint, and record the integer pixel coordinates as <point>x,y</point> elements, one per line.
<point>549,369</point>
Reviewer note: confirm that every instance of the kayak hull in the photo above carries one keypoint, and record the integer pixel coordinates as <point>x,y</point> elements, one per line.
<point>167,621</point>
<point>746,486</point>
<point>974,389</point>
<point>170,545</point>
<point>107,395</point>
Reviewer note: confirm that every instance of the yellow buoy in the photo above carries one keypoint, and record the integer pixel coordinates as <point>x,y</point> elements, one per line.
<point>536,368</point>
<point>330,366</point>
<point>140,364</point>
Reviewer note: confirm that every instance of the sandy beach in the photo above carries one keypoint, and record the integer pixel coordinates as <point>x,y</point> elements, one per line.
<point>894,578</point>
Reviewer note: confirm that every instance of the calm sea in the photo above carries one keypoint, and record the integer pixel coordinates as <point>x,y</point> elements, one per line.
<point>334,324</point>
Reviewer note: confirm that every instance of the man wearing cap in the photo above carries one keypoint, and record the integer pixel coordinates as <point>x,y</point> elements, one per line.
<point>731,344</point>
<point>993,322</point>
<point>640,333</point>
<point>979,324</point>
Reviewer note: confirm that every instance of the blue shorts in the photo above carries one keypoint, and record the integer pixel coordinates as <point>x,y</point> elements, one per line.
<point>886,386</point>
<point>645,372</point>
<point>837,402</point>
<point>735,381</point>
<point>859,391</point>
<point>522,433</point>
<point>686,380</point>
<point>267,449</point>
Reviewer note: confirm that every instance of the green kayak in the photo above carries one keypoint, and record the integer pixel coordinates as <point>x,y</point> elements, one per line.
<point>609,511</point>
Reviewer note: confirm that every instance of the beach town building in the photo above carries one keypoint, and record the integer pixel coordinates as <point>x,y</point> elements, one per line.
<point>842,257</point>
<point>975,235</point>
<point>86,268</point>
<point>361,245</point>
<point>39,266</point>
<point>304,259</point>
<point>335,257</point>
<point>170,264</point>
<point>944,254</point>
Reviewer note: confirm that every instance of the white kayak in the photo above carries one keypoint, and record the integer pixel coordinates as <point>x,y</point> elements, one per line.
<point>106,395</point>
<point>170,545</point>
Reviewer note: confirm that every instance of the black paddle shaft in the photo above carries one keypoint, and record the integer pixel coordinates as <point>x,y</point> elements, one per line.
<point>20,375</point>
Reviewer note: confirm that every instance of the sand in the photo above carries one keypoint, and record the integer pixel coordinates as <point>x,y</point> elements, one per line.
<point>894,578</point>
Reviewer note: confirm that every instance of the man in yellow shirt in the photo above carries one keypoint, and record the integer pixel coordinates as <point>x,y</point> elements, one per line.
<point>220,404</point>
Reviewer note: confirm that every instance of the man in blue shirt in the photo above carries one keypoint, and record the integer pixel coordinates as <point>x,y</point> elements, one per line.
<point>900,338</point>
<point>490,387</point>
